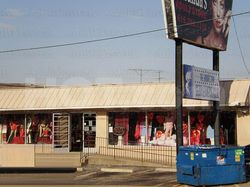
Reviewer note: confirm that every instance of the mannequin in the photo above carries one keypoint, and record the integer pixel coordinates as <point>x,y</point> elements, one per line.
<point>29,131</point>
<point>12,135</point>
<point>169,125</point>
<point>21,134</point>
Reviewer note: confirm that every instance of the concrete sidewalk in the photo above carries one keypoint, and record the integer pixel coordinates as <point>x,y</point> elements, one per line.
<point>135,169</point>
<point>111,161</point>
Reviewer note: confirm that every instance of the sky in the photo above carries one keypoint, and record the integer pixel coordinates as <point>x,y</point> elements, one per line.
<point>30,23</point>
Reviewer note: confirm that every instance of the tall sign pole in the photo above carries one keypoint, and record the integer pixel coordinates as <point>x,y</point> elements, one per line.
<point>196,23</point>
<point>178,92</point>
<point>216,104</point>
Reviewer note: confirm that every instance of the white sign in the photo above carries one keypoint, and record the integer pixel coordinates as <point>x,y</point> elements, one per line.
<point>200,83</point>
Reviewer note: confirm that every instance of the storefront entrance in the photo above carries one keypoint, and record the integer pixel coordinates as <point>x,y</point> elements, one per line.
<point>76,132</point>
<point>83,131</point>
<point>89,123</point>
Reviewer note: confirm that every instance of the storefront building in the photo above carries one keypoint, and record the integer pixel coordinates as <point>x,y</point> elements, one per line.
<point>73,119</point>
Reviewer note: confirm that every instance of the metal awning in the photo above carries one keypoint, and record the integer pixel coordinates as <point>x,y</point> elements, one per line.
<point>148,95</point>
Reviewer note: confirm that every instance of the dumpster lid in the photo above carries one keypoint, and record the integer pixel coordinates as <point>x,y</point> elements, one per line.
<point>208,147</point>
<point>199,147</point>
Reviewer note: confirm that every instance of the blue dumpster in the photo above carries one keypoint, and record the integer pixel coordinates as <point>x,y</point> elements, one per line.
<point>210,165</point>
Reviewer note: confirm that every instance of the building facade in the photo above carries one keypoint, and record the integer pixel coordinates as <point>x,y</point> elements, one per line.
<point>76,119</point>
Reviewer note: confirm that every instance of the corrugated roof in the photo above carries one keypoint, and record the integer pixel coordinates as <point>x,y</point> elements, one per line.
<point>19,85</point>
<point>233,93</point>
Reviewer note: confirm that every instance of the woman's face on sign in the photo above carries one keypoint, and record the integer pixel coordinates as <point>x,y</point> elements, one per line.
<point>218,8</point>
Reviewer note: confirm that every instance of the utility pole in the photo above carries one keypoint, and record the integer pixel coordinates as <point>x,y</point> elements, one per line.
<point>140,72</point>
<point>159,76</point>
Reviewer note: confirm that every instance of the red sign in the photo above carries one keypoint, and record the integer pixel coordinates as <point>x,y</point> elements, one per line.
<point>119,130</point>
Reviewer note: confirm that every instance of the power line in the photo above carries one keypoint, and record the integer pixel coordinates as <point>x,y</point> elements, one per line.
<point>83,42</point>
<point>140,71</point>
<point>241,52</point>
<point>108,38</point>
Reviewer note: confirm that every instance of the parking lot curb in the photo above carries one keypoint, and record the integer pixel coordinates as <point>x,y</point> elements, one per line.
<point>117,170</point>
<point>79,169</point>
<point>165,169</point>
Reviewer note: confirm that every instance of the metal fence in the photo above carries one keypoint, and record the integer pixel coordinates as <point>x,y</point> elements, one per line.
<point>143,152</point>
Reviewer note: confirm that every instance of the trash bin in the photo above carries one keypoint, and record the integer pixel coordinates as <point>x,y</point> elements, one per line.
<point>210,165</point>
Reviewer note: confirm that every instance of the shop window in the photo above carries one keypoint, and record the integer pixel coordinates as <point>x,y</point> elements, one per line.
<point>12,129</point>
<point>39,129</point>
<point>202,128</point>
<point>157,128</point>
<point>119,127</point>
<point>163,130</point>
<point>227,128</point>
<point>199,122</point>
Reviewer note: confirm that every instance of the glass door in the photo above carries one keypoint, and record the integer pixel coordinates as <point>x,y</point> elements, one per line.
<point>76,128</point>
<point>89,128</point>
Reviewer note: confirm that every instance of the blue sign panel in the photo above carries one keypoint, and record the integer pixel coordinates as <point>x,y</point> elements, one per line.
<point>200,83</point>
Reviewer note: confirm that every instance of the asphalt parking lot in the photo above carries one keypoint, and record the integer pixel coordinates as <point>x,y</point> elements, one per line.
<point>141,177</point>
<point>90,176</point>
<point>97,177</point>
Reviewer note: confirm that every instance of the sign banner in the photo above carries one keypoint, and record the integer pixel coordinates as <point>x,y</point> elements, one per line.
<point>200,83</point>
<point>204,23</point>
